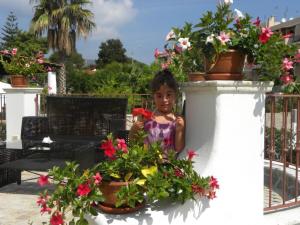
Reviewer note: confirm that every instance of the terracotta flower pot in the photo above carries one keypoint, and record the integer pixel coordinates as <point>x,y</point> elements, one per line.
<point>196,76</point>
<point>228,66</point>
<point>109,190</point>
<point>18,81</point>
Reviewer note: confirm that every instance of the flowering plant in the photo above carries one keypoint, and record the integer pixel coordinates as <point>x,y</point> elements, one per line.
<point>143,169</point>
<point>16,63</point>
<point>225,29</point>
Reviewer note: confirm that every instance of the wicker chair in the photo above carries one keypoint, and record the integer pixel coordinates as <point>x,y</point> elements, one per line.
<point>8,176</point>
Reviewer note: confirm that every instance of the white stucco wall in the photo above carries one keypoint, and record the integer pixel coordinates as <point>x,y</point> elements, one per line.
<point>225,125</point>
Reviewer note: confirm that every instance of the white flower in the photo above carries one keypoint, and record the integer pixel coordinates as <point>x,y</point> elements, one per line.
<point>239,14</point>
<point>228,1</point>
<point>170,35</point>
<point>210,39</point>
<point>184,43</point>
<point>47,140</point>
<point>256,46</point>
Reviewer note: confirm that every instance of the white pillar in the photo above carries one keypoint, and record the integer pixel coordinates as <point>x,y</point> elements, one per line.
<point>225,126</point>
<point>52,87</point>
<point>19,102</point>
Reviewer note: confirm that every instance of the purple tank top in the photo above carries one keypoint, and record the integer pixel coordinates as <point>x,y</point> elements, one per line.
<point>164,132</point>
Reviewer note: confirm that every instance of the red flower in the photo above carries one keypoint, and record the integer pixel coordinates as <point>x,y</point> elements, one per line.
<point>97,178</point>
<point>146,114</point>
<point>178,173</point>
<point>122,145</point>
<point>265,35</point>
<point>191,153</point>
<point>197,189</point>
<point>257,22</point>
<point>109,149</point>
<point>45,209</point>
<point>42,200</point>
<point>83,190</point>
<point>56,219</point>
<point>287,64</point>
<point>211,195</point>
<point>14,51</point>
<point>213,183</point>
<point>43,180</point>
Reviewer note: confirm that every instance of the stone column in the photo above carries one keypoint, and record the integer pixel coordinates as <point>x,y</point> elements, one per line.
<point>19,102</point>
<point>225,126</point>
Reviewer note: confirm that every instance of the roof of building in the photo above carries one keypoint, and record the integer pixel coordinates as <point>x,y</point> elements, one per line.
<point>290,23</point>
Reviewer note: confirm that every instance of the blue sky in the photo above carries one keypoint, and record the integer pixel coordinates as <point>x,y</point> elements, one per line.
<point>142,25</point>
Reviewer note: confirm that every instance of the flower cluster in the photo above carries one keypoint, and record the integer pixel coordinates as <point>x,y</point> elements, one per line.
<point>16,63</point>
<point>142,167</point>
<point>217,32</point>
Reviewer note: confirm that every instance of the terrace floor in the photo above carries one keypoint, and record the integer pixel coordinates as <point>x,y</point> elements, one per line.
<point>18,202</point>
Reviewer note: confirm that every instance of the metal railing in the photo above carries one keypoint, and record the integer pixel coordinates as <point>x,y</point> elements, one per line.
<point>282,150</point>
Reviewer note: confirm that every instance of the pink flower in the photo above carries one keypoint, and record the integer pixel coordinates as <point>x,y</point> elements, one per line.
<point>56,219</point>
<point>83,190</point>
<point>109,149</point>
<point>191,153</point>
<point>213,183</point>
<point>223,38</point>
<point>43,180</point>
<point>287,64</point>
<point>156,53</point>
<point>286,79</point>
<point>122,145</point>
<point>97,178</point>
<point>287,36</point>
<point>14,51</point>
<point>265,35</point>
<point>257,22</point>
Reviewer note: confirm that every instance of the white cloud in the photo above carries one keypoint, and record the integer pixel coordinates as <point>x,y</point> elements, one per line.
<point>110,15</point>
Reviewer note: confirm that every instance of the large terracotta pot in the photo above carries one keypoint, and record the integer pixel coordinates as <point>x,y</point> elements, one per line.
<point>109,190</point>
<point>228,66</point>
<point>18,81</point>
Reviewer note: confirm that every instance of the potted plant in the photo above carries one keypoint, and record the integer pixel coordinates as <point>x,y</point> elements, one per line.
<point>225,37</point>
<point>21,67</point>
<point>141,173</point>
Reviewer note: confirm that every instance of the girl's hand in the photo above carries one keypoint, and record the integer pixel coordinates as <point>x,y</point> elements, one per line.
<point>179,121</point>
<point>137,126</point>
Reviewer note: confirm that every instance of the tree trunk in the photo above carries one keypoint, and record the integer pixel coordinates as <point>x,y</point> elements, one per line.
<point>62,80</point>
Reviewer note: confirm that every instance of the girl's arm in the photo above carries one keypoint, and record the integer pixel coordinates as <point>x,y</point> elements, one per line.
<point>179,134</point>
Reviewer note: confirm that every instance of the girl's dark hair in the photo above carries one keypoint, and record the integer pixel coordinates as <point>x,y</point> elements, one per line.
<point>161,78</point>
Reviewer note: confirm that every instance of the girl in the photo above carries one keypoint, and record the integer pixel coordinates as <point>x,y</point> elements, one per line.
<point>164,125</point>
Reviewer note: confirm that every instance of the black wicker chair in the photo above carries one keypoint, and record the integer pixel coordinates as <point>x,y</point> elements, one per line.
<point>75,124</point>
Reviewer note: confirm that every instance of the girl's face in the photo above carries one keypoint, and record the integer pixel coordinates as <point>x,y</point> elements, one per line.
<point>164,99</point>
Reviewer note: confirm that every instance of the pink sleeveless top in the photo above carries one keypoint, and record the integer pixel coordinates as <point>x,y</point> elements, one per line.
<point>164,132</point>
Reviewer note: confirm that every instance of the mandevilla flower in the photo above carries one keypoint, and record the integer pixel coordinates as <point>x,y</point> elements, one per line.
<point>223,37</point>
<point>43,180</point>
<point>213,183</point>
<point>191,153</point>
<point>122,145</point>
<point>146,114</point>
<point>265,35</point>
<point>184,43</point>
<point>108,147</point>
<point>239,14</point>
<point>257,22</point>
<point>210,39</point>
<point>286,79</point>
<point>97,178</point>
<point>57,219</point>
<point>287,64</point>
<point>83,190</point>
<point>171,35</point>
<point>228,1</point>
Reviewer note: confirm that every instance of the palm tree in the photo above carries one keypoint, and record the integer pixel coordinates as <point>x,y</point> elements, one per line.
<point>63,21</point>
